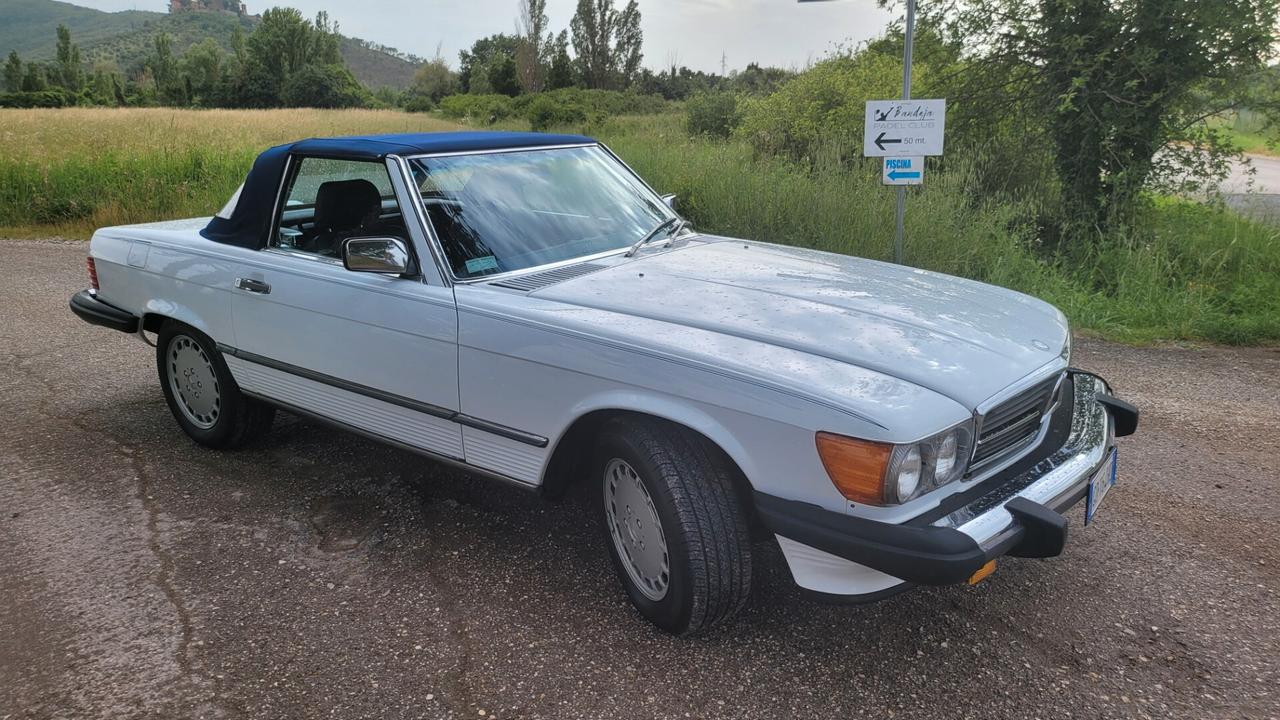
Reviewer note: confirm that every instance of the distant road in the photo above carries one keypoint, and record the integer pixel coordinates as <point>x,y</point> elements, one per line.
<point>1263,198</point>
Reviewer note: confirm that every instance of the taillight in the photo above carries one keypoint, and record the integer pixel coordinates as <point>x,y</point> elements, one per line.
<point>93,274</point>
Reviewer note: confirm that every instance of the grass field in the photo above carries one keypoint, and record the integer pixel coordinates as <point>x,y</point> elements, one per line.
<point>1250,132</point>
<point>1189,272</point>
<point>66,172</point>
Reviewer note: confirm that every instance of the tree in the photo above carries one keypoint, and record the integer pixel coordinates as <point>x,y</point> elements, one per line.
<point>490,66</point>
<point>34,78</point>
<point>103,84</point>
<point>560,67</point>
<point>434,80</point>
<point>608,43</point>
<point>164,70</point>
<point>531,58</point>
<point>323,86</point>
<point>592,28</point>
<point>628,46</point>
<point>201,69</point>
<point>13,72</point>
<point>70,74</point>
<point>239,45</point>
<point>286,41</point>
<point>1116,81</point>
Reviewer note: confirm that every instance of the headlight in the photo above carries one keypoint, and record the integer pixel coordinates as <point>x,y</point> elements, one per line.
<point>945,459</point>
<point>906,476</point>
<point>883,474</point>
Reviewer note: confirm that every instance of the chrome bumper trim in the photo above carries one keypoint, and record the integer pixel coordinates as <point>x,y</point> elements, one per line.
<point>1058,476</point>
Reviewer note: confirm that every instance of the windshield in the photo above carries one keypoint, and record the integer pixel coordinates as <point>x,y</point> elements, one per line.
<point>509,211</point>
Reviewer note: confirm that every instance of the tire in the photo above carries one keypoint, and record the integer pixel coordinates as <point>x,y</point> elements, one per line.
<point>649,469</point>
<point>201,393</point>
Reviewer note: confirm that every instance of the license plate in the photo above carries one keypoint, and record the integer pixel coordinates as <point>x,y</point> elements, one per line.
<point>1099,484</point>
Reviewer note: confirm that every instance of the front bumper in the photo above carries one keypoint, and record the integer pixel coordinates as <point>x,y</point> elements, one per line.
<point>90,309</point>
<point>1016,512</point>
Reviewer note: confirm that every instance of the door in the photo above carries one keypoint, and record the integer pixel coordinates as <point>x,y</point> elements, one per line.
<point>371,351</point>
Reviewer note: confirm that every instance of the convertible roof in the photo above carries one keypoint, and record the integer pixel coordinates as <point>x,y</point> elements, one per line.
<point>250,221</point>
<point>377,147</point>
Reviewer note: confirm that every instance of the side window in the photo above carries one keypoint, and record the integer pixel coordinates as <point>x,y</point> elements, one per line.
<point>329,201</point>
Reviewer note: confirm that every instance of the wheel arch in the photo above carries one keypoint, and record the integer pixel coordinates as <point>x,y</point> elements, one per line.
<point>571,451</point>
<point>156,312</point>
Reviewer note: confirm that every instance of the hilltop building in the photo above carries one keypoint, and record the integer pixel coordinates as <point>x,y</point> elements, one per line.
<point>227,6</point>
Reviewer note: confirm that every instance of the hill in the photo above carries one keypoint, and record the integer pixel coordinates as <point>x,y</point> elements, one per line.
<point>126,38</point>
<point>30,26</point>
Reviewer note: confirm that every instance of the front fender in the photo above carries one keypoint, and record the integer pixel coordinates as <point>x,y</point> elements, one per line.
<point>769,453</point>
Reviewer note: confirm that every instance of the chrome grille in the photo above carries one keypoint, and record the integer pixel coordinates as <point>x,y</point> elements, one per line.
<point>1013,425</point>
<point>539,280</point>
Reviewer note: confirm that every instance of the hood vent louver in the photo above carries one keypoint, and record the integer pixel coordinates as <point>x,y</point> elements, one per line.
<point>539,280</point>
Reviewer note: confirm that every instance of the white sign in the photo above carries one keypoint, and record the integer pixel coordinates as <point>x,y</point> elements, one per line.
<point>904,171</point>
<point>904,128</point>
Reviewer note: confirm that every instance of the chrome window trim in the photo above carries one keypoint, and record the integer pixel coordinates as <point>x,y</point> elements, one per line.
<point>289,252</point>
<point>499,151</point>
<point>419,210</point>
<point>446,270</point>
<point>277,210</point>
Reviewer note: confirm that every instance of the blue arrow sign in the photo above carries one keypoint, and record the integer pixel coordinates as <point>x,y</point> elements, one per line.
<point>903,170</point>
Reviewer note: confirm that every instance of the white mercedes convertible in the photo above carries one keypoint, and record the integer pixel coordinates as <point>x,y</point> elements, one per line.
<point>525,307</point>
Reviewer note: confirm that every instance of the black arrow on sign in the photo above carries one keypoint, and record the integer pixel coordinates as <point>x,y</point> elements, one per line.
<point>881,141</point>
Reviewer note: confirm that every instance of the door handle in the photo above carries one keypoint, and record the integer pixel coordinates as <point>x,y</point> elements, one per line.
<point>253,286</point>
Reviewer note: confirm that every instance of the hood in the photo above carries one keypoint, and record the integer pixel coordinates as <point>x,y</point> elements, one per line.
<point>962,339</point>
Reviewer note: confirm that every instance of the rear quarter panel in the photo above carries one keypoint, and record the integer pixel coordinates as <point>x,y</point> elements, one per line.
<point>167,269</point>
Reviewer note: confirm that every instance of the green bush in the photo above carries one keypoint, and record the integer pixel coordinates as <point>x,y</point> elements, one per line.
<point>712,114</point>
<point>486,109</point>
<point>545,112</point>
<point>323,86</point>
<point>419,103</point>
<point>818,115</point>
<point>55,98</point>
<point>597,104</point>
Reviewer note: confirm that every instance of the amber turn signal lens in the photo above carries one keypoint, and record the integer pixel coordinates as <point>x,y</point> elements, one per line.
<point>982,573</point>
<point>856,467</point>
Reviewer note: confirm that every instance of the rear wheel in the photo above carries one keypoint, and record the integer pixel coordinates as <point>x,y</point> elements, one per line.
<point>674,525</point>
<point>201,393</point>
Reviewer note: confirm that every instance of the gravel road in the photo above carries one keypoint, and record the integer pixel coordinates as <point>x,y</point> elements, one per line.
<point>323,576</point>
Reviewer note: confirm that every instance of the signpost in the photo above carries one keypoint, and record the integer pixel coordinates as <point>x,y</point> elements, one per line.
<point>908,129</point>
<point>904,128</point>
<point>904,171</point>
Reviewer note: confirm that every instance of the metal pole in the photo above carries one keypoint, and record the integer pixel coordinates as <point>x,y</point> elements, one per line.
<point>907,48</point>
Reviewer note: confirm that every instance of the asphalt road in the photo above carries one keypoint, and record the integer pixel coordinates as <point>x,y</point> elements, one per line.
<point>1255,188</point>
<point>323,576</point>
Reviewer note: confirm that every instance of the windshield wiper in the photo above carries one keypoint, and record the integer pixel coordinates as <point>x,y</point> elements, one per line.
<point>677,223</point>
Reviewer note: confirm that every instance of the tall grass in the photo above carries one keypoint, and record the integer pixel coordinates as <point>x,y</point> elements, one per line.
<point>1187,272</point>
<point>70,171</point>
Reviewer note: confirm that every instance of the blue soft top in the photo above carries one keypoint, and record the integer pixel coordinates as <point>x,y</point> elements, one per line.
<point>251,219</point>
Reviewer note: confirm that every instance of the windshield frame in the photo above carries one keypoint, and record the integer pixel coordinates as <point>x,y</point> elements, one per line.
<point>437,248</point>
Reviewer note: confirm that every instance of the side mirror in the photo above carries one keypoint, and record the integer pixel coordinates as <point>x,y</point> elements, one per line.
<point>670,200</point>
<point>377,255</point>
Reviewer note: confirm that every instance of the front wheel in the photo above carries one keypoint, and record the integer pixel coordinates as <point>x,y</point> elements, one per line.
<point>675,528</point>
<point>201,393</point>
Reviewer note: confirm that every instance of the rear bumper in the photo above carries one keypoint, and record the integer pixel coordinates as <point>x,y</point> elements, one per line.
<point>89,308</point>
<point>1017,512</point>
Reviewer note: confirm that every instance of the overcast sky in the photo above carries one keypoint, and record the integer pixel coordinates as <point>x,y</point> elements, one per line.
<point>692,32</point>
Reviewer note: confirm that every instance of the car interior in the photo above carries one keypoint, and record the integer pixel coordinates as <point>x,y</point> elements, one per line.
<point>342,209</point>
